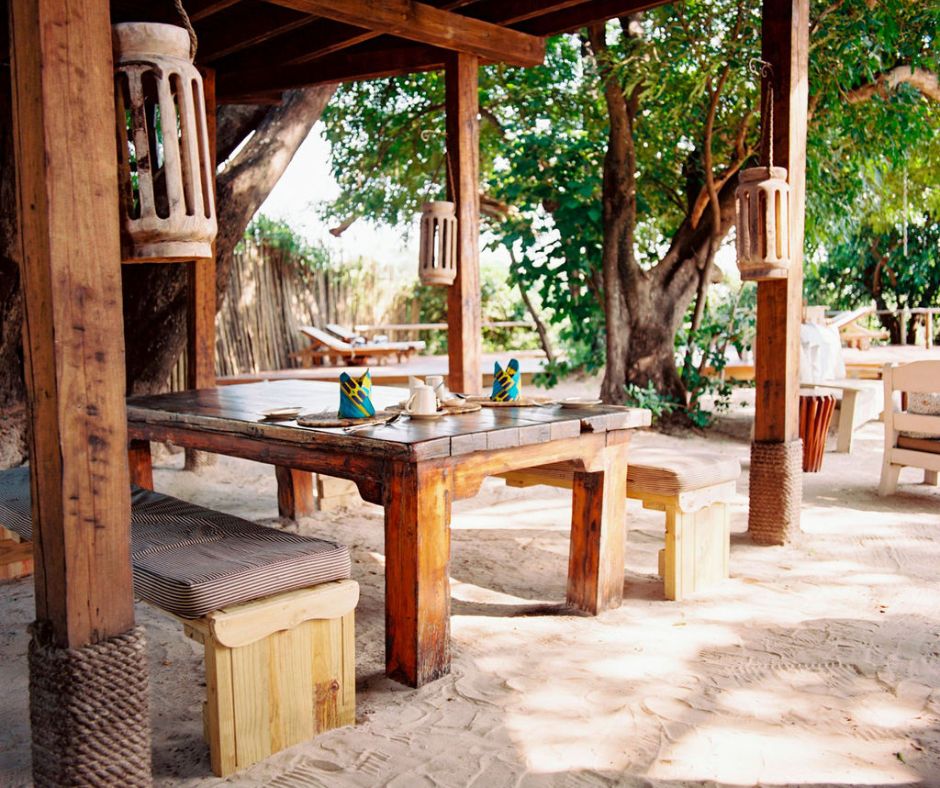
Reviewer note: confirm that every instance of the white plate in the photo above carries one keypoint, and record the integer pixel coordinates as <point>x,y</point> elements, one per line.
<point>285,413</point>
<point>579,402</point>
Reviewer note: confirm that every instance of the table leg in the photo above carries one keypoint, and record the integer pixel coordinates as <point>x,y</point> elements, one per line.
<point>294,492</point>
<point>598,532</point>
<point>417,587</point>
<point>140,463</point>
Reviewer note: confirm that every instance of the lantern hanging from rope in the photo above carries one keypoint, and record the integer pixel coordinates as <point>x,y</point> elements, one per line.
<point>164,169</point>
<point>437,248</point>
<point>763,211</point>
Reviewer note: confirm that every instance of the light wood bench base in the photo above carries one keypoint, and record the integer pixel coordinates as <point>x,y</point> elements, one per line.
<point>16,556</point>
<point>279,671</point>
<point>697,543</point>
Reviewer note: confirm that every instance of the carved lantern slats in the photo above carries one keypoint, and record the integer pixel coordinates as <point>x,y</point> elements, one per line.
<point>763,223</point>
<point>165,173</point>
<point>437,262</point>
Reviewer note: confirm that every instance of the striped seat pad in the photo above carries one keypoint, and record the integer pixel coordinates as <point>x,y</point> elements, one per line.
<point>190,560</point>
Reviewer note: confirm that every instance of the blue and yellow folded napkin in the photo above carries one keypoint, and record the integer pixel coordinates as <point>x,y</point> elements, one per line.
<point>355,396</point>
<point>506,382</point>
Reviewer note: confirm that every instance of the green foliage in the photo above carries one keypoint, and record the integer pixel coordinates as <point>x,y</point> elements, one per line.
<point>499,303</point>
<point>659,405</point>
<point>278,234</point>
<point>544,141</point>
<point>868,265</point>
<point>728,323</point>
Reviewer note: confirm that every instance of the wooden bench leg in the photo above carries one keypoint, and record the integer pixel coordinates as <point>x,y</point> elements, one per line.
<point>294,493</point>
<point>16,556</point>
<point>697,549</point>
<point>333,493</point>
<point>847,419</point>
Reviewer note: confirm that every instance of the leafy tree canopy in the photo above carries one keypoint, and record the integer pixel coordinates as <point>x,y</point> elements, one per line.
<point>545,132</point>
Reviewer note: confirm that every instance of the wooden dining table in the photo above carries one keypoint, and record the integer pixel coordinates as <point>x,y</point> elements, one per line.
<point>416,470</point>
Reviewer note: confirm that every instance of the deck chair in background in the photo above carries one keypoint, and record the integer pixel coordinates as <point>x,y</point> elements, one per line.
<point>358,339</point>
<point>327,349</point>
<point>912,427</point>
<point>345,334</point>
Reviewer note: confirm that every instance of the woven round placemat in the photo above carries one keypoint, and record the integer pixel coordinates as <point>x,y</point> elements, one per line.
<point>328,418</point>
<point>446,410</point>
<point>522,402</point>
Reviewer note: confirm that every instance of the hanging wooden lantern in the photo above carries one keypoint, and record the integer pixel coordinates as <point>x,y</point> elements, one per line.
<point>763,223</point>
<point>437,256</point>
<point>165,172</point>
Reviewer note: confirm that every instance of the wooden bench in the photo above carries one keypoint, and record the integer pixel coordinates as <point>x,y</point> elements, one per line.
<point>280,668</point>
<point>693,489</point>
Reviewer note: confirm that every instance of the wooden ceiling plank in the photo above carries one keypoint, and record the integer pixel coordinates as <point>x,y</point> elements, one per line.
<point>585,14</point>
<point>203,9</point>
<point>513,12</point>
<point>298,46</point>
<point>344,66</point>
<point>244,26</point>
<point>429,25</point>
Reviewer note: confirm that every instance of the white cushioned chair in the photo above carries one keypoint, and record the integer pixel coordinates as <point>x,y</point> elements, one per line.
<point>912,429</point>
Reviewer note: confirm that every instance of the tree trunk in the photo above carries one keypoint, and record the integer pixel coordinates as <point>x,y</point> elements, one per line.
<point>12,389</point>
<point>154,294</point>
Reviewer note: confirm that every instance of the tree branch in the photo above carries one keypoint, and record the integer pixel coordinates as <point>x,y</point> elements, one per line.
<point>919,78</point>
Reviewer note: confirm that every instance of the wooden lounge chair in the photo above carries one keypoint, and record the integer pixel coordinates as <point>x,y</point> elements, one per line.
<point>329,349</point>
<point>852,334</point>
<point>345,334</point>
<point>912,439</point>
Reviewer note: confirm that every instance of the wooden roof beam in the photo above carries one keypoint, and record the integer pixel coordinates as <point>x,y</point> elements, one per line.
<point>429,25</point>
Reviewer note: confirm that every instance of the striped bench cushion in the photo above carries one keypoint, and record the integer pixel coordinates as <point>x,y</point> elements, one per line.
<point>190,560</point>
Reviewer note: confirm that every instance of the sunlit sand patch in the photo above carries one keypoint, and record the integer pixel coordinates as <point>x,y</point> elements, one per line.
<point>740,755</point>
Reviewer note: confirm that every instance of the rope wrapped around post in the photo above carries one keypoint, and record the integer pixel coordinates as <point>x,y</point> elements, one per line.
<point>776,480</point>
<point>89,711</point>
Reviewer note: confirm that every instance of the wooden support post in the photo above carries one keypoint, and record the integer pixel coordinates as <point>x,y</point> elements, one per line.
<point>417,586</point>
<point>785,47</point>
<point>598,532</point>
<point>464,312</point>
<point>70,265</point>
<point>201,301</point>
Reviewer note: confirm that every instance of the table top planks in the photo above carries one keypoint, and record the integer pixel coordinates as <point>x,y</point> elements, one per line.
<point>237,410</point>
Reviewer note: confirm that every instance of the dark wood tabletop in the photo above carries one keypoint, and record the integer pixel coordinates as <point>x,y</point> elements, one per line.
<point>239,410</point>
<point>415,470</point>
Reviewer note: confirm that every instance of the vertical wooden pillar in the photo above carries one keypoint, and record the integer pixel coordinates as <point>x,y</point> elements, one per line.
<point>70,263</point>
<point>776,481</point>
<point>201,301</point>
<point>464,314</point>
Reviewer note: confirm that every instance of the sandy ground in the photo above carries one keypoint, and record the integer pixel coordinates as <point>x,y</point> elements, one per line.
<point>815,664</point>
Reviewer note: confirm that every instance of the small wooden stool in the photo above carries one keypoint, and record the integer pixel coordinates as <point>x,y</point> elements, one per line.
<point>693,489</point>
